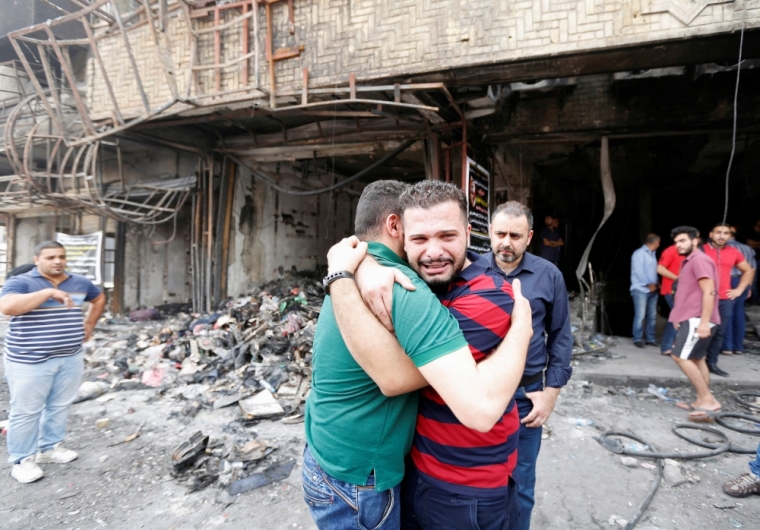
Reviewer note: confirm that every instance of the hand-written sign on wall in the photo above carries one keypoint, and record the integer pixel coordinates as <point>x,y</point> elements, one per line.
<point>478,206</point>
<point>83,254</point>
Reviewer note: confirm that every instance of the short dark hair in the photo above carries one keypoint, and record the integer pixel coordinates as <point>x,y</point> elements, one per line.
<point>651,238</point>
<point>46,245</point>
<point>428,193</point>
<point>690,231</point>
<point>378,200</point>
<point>720,224</point>
<point>514,209</point>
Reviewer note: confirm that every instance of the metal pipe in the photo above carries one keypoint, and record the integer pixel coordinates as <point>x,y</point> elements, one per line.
<point>270,56</point>
<point>260,175</point>
<point>256,50</point>
<point>209,246</point>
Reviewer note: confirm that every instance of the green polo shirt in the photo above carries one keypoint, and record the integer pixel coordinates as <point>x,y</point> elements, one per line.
<point>353,429</point>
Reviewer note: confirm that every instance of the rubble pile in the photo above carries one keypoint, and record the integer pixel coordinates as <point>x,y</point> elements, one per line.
<point>252,344</point>
<point>254,352</point>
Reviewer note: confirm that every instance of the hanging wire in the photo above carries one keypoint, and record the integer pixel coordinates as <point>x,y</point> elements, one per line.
<point>736,101</point>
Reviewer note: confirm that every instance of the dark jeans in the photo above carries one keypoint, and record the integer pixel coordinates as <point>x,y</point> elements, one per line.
<point>427,507</point>
<point>669,334</point>
<point>734,340</point>
<point>338,505</point>
<point>528,445</point>
<point>726,309</point>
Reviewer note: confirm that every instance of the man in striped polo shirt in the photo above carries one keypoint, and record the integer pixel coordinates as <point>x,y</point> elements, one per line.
<point>457,477</point>
<point>43,357</point>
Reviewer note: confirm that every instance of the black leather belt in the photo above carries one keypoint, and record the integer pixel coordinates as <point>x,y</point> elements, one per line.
<point>530,379</point>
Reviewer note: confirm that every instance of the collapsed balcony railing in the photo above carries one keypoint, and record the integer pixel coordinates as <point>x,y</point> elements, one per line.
<point>148,65</point>
<point>70,176</point>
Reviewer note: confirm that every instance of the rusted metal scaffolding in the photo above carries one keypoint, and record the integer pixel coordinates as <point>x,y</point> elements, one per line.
<point>56,135</point>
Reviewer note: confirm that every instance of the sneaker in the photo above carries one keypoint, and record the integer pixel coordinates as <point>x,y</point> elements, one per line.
<point>639,344</point>
<point>727,352</point>
<point>738,352</point>
<point>653,343</point>
<point>27,471</point>
<point>57,455</point>
<point>744,485</point>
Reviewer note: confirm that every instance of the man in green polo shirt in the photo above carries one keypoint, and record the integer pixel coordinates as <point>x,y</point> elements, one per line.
<point>357,432</point>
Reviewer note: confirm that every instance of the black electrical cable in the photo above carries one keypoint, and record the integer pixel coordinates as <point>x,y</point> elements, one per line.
<point>724,446</point>
<point>720,419</point>
<point>749,404</point>
<point>258,174</point>
<point>655,483</point>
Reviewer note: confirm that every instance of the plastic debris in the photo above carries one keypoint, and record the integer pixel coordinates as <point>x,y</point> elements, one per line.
<point>91,390</point>
<point>617,520</point>
<point>141,315</point>
<point>262,405</point>
<point>188,452</point>
<point>580,422</point>
<point>629,461</point>
<point>271,474</point>
<point>659,392</point>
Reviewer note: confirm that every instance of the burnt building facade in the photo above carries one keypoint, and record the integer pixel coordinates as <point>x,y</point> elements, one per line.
<point>218,144</point>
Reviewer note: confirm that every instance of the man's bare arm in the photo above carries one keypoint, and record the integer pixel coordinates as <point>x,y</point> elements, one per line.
<point>748,274</point>
<point>708,303</point>
<point>553,244</point>
<point>663,271</point>
<point>20,304</point>
<point>93,314</point>
<point>373,347</point>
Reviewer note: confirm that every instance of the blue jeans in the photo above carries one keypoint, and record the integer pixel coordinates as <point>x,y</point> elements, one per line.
<point>528,445</point>
<point>754,466</point>
<point>669,333</point>
<point>726,309</point>
<point>338,505</point>
<point>644,307</point>
<point>734,339</point>
<point>41,395</point>
<point>427,507</point>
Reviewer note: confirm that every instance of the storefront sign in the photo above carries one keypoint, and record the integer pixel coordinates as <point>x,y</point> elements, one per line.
<point>83,254</point>
<point>477,188</point>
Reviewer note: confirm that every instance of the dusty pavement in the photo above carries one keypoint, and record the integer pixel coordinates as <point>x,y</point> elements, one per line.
<point>581,485</point>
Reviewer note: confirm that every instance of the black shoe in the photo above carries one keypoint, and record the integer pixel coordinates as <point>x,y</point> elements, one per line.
<point>639,344</point>
<point>653,343</point>
<point>717,371</point>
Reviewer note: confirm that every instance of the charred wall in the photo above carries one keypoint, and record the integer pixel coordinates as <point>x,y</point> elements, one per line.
<point>275,232</point>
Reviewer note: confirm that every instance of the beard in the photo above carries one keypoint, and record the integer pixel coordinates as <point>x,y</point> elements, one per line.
<point>508,258</point>
<point>686,251</point>
<point>439,281</point>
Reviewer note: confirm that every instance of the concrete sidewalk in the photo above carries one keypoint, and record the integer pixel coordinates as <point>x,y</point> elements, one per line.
<point>632,366</point>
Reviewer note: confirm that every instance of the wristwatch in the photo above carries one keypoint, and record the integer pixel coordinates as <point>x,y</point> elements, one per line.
<point>327,280</point>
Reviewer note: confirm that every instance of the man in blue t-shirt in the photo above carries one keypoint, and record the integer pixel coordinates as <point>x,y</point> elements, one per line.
<point>43,357</point>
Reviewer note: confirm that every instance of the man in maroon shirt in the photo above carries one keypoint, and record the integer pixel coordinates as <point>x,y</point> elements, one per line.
<point>726,258</point>
<point>694,316</point>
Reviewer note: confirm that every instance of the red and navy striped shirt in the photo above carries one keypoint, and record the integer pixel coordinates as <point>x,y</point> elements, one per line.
<point>446,453</point>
